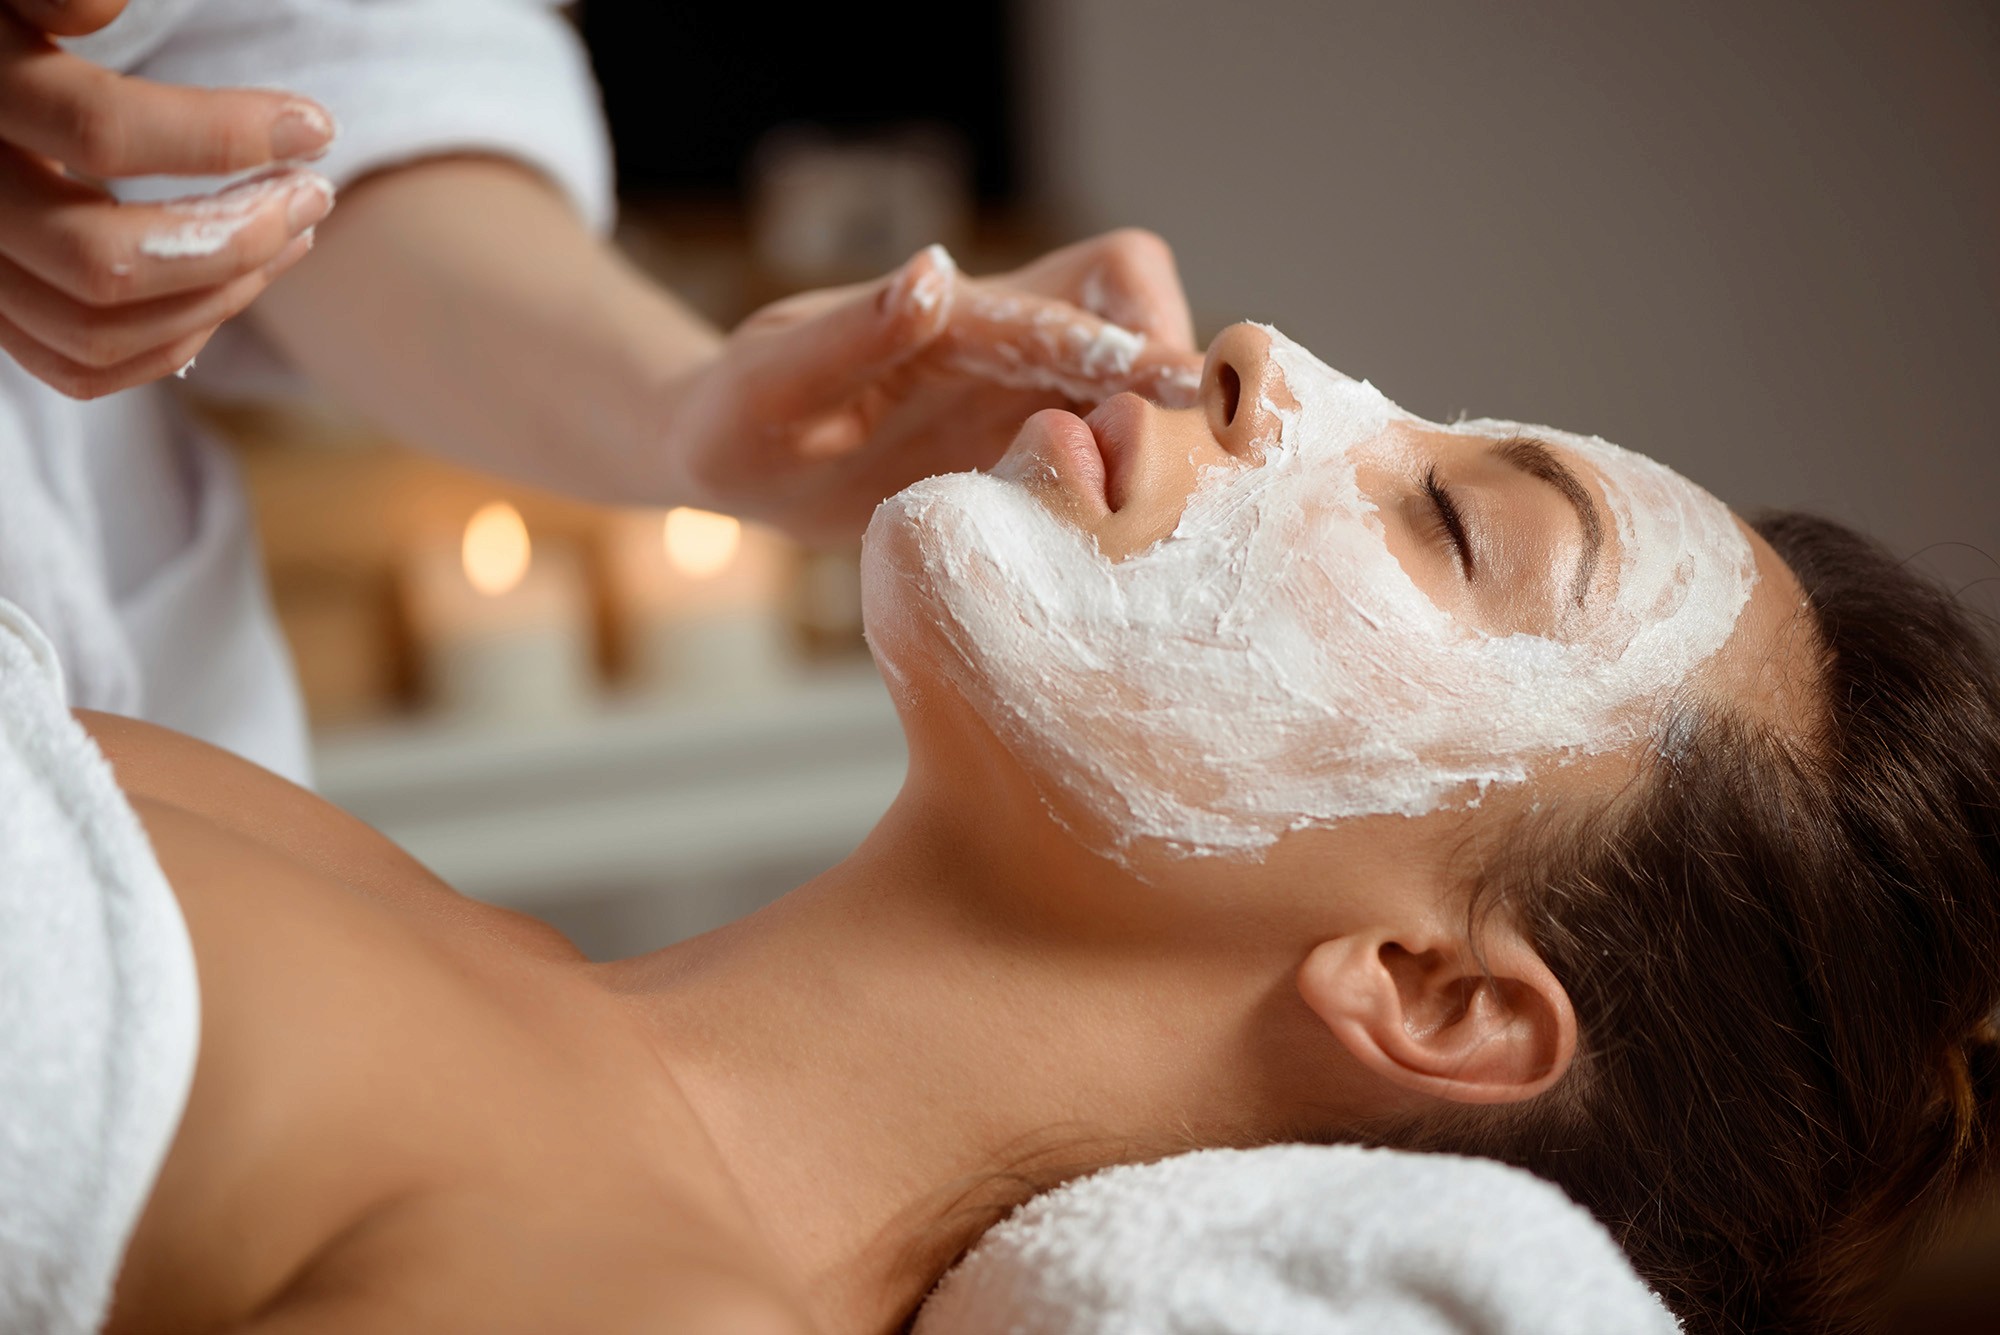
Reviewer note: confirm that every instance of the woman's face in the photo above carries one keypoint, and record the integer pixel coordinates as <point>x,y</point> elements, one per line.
<point>1294,605</point>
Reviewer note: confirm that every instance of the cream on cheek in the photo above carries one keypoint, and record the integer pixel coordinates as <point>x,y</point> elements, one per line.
<point>1270,666</point>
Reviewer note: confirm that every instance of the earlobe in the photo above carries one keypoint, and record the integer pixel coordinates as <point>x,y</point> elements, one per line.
<point>1431,1018</point>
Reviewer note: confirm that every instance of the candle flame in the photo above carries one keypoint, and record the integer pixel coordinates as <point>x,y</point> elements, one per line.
<point>700,544</point>
<point>496,550</point>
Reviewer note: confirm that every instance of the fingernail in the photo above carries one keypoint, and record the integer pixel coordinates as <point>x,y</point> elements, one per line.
<point>921,290</point>
<point>311,201</point>
<point>293,252</point>
<point>301,130</point>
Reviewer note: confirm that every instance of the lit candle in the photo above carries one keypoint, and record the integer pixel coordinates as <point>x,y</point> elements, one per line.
<point>502,626</point>
<point>702,598</point>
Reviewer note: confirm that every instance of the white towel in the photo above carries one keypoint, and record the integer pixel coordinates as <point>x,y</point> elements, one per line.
<point>99,1009</point>
<point>1298,1240</point>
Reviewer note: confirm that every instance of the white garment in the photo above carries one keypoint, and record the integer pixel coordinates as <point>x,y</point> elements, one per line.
<point>122,530</point>
<point>99,1006</point>
<point>1298,1240</point>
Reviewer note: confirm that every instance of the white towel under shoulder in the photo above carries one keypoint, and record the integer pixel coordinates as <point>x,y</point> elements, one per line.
<point>1298,1240</point>
<point>99,1009</point>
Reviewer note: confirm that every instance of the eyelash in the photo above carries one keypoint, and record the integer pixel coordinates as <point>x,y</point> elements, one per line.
<point>1448,518</point>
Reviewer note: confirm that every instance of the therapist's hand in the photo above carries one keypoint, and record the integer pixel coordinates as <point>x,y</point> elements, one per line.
<point>820,406</point>
<point>97,296</point>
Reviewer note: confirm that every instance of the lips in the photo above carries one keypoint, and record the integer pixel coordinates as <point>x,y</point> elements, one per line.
<point>1116,425</point>
<point>1086,459</point>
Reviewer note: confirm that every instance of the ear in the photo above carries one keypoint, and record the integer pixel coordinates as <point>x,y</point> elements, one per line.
<point>1430,1017</point>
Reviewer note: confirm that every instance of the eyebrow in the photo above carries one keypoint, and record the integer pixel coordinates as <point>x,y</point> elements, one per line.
<point>1536,459</point>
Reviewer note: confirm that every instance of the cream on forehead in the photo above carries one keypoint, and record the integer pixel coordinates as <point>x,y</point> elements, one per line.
<point>1270,666</point>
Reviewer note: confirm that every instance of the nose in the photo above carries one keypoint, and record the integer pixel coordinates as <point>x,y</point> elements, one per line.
<point>1238,384</point>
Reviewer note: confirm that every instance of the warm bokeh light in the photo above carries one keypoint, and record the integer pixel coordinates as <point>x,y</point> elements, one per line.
<point>496,550</point>
<point>700,543</point>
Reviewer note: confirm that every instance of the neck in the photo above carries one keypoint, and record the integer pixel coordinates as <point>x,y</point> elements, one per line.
<point>895,1054</point>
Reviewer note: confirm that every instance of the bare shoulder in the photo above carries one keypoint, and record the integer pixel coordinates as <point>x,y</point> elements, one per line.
<point>159,765</point>
<point>478,1262</point>
<point>155,764</point>
<point>402,1118</point>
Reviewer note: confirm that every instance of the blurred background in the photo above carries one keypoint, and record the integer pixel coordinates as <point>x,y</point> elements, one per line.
<point>1758,242</point>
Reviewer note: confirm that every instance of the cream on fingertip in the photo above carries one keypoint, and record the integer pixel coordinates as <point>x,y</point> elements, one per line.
<point>213,221</point>
<point>1056,349</point>
<point>925,283</point>
<point>311,200</point>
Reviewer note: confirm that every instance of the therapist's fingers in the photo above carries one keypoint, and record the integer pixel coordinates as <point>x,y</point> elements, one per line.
<point>87,382</point>
<point>108,125</point>
<point>99,340</point>
<point>103,253</point>
<point>1127,277</point>
<point>1020,340</point>
<point>67,18</point>
<point>848,341</point>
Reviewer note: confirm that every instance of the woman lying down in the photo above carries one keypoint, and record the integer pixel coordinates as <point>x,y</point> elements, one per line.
<point>1283,768</point>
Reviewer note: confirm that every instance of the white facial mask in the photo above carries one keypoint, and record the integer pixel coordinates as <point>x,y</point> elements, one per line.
<point>1271,666</point>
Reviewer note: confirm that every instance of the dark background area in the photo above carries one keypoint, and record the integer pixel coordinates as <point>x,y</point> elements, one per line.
<point>690,89</point>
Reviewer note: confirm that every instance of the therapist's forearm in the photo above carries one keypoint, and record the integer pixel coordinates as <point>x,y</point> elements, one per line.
<point>463,306</point>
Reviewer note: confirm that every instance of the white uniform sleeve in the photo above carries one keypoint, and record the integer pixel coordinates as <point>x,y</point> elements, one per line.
<point>408,79</point>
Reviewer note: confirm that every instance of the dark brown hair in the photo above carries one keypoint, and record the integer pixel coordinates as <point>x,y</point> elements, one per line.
<point>1783,948</point>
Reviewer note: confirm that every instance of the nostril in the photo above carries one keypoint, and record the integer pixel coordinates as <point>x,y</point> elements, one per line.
<point>1231,386</point>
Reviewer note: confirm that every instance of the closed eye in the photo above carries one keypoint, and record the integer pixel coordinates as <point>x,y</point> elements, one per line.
<point>1449,519</point>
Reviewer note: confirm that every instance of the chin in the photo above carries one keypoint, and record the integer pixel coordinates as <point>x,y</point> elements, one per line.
<point>922,653</point>
<point>901,622</point>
